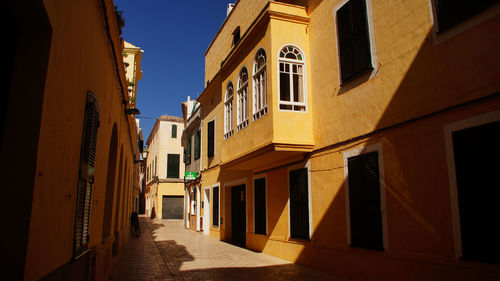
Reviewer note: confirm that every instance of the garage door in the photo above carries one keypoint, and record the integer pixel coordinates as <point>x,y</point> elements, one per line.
<point>172,207</point>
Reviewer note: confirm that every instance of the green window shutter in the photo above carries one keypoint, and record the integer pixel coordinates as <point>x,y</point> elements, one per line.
<point>188,151</point>
<point>354,40</point>
<point>86,176</point>
<point>215,206</point>
<point>364,201</point>
<point>299,204</point>
<point>174,131</point>
<point>173,166</point>
<point>211,139</point>
<point>197,145</point>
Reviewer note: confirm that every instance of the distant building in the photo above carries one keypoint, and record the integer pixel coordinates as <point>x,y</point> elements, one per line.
<point>164,190</point>
<point>358,137</point>
<point>191,141</point>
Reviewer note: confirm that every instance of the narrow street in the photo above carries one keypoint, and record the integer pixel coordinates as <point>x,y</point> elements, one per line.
<point>167,251</point>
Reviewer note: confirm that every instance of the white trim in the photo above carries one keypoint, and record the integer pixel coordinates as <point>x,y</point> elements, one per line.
<point>304,79</point>
<point>198,207</point>
<point>206,205</point>
<point>242,101</point>
<point>301,165</point>
<point>256,177</point>
<point>229,128</point>
<point>371,36</point>
<point>452,177</point>
<point>383,205</point>
<point>256,114</point>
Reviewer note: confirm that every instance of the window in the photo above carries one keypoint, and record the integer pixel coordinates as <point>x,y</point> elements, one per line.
<point>260,205</point>
<point>259,85</point>
<point>155,167</point>
<point>476,153</point>
<point>86,176</point>
<point>236,36</point>
<point>291,79</point>
<point>452,13</point>
<point>174,131</point>
<point>299,204</point>
<point>215,208</point>
<point>211,138</point>
<point>354,40</point>
<point>173,166</point>
<point>364,201</point>
<point>228,111</point>
<point>197,138</point>
<point>243,99</point>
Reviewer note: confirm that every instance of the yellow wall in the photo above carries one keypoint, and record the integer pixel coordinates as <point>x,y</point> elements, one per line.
<point>80,61</point>
<point>422,81</point>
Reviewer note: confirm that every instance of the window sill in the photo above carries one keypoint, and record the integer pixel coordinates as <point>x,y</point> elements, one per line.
<point>242,125</point>
<point>293,107</point>
<point>228,134</point>
<point>355,77</point>
<point>260,113</point>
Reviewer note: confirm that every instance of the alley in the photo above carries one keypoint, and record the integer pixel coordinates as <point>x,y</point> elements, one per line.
<point>167,251</point>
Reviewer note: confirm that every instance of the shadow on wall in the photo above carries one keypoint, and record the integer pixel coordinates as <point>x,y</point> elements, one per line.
<point>435,84</point>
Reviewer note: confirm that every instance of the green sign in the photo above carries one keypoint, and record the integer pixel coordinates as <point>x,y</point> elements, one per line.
<point>190,175</point>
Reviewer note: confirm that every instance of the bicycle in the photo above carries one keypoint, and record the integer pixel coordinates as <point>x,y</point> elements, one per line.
<point>134,225</point>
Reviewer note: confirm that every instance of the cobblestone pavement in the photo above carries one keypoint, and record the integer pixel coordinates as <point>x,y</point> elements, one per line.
<point>167,251</point>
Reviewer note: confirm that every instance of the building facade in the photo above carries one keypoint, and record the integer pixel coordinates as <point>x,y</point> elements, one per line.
<point>351,136</point>
<point>191,142</point>
<point>68,119</point>
<point>164,190</point>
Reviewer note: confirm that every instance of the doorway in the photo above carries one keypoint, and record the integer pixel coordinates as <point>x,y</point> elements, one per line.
<point>238,215</point>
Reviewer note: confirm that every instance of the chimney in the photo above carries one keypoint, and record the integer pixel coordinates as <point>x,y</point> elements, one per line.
<point>229,8</point>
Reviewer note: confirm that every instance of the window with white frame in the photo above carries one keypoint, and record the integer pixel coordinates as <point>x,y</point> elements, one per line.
<point>243,99</point>
<point>291,79</point>
<point>228,111</point>
<point>354,40</point>
<point>259,85</point>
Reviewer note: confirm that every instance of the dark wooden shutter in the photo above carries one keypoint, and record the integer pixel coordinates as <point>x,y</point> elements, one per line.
<point>354,40</point>
<point>188,151</point>
<point>364,201</point>
<point>299,204</point>
<point>260,205</point>
<point>453,12</point>
<point>197,139</point>
<point>174,131</point>
<point>215,206</point>
<point>476,153</point>
<point>86,176</point>
<point>173,165</point>
<point>211,138</point>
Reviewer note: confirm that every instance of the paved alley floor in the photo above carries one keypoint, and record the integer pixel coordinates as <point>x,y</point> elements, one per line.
<point>167,251</point>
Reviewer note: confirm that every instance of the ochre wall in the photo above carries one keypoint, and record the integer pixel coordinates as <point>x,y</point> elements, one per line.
<point>80,61</point>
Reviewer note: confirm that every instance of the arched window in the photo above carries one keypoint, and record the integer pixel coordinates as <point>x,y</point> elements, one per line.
<point>259,85</point>
<point>86,175</point>
<point>243,99</point>
<point>228,111</point>
<point>291,79</point>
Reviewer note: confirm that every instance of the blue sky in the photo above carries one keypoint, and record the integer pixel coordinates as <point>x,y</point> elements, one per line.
<point>174,36</point>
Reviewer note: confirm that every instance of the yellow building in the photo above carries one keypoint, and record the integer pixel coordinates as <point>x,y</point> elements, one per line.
<point>68,140</point>
<point>164,170</point>
<point>357,137</point>
<point>132,57</point>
